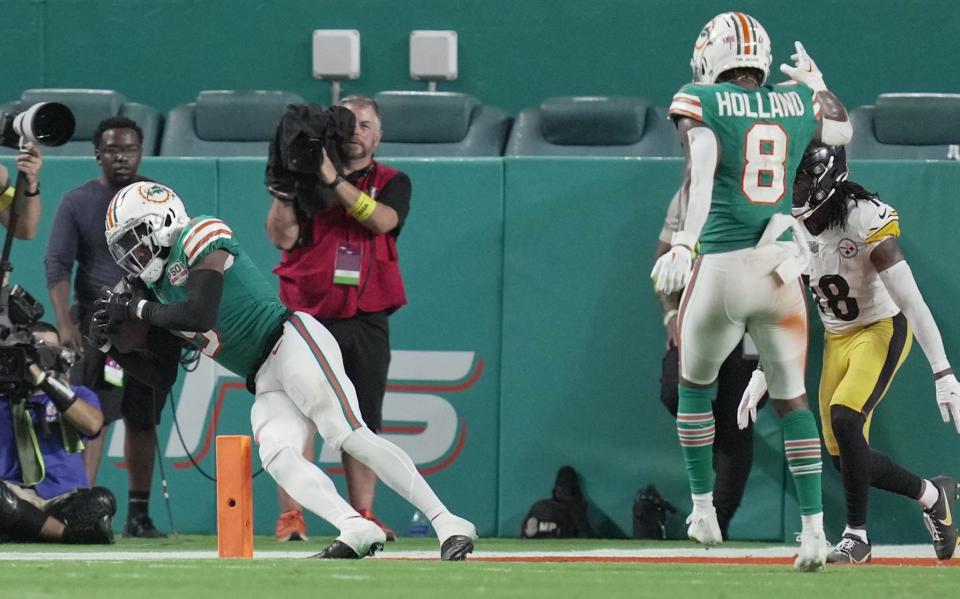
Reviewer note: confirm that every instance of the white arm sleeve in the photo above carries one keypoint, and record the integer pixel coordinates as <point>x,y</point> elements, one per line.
<point>674,219</point>
<point>902,287</point>
<point>703,163</point>
<point>836,133</point>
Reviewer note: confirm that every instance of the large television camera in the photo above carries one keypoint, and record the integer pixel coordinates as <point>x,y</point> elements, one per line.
<point>296,152</point>
<point>18,348</point>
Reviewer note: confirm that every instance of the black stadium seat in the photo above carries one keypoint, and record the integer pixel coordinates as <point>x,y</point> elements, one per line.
<point>593,126</point>
<point>907,126</point>
<point>225,123</point>
<point>435,124</point>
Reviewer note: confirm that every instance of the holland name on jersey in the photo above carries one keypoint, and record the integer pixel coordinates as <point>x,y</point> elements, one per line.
<point>760,106</point>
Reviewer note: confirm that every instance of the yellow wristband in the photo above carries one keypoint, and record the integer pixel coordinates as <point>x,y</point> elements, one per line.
<point>6,198</point>
<point>363,208</point>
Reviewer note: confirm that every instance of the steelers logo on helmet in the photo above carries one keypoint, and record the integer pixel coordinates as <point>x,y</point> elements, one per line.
<point>143,221</point>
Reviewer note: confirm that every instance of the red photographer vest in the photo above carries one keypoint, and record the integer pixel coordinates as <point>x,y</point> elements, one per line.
<point>306,272</point>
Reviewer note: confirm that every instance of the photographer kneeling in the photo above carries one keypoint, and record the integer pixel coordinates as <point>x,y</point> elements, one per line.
<point>44,494</point>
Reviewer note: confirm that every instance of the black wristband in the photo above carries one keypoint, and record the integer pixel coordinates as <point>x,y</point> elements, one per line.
<point>59,393</point>
<point>333,184</point>
<point>34,194</point>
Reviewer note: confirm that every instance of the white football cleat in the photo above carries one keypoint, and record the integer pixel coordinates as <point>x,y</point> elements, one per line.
<point>447,525</point>
<point>813,551</point>
<point>456,535</point>
<point>704,528</point>
<point>363,536</point>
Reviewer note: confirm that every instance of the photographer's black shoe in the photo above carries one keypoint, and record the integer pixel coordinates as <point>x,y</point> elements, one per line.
<point>939,518</point>
<point>87,516</point>
<point>99,532</point>
<point>85,506</point>
<point>141,527</point>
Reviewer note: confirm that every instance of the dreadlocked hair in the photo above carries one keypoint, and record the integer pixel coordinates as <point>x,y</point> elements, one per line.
<point>838,208</point>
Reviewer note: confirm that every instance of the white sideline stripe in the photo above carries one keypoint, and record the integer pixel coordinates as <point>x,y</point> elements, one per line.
<point>740,552</point>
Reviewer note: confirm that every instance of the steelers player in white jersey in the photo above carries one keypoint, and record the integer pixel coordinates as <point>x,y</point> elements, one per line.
<point>871,307</point>
<point>743,139</point>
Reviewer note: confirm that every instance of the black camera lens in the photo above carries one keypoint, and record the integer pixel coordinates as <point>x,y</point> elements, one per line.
<point>304,155</point>
<point>46,123</point>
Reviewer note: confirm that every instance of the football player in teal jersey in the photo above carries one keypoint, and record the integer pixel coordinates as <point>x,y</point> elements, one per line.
<point>209,292</point>
<point>742,140</point>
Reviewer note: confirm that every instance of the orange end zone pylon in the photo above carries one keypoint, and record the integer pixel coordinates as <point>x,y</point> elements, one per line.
<point>234,497</point>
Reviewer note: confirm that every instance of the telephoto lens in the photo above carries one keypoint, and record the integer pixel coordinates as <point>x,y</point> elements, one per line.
<point>44,123</point>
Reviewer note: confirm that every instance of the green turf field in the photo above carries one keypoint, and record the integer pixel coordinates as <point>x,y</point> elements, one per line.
<point>279,571</point>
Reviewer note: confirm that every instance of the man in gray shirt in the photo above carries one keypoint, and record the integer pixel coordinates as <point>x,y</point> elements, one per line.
<point>78,236</point>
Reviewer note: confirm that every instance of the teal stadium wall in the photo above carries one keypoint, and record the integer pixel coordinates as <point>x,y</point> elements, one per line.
<point>512,53</point>
<point>527,280</point>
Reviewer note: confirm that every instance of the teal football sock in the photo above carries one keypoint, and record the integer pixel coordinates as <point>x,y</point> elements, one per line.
<point>696,429</point>
<point>801,441</point>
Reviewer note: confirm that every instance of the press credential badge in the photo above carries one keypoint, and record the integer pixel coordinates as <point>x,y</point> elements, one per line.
<point>346,270</point>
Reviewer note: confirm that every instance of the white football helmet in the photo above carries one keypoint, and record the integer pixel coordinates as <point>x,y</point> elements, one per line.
<point>143,221</point>
<point>730,40</point>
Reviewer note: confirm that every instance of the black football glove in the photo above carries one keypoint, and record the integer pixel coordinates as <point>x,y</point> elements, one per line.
<point>118,306</point>
<point>98,333</point>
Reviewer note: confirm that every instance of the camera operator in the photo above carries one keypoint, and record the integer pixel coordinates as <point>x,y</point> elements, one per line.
<point>44,490</point>
<point>340,265</point>
<point>27,200</point>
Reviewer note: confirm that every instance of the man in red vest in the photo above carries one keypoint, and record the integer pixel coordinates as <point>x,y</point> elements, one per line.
<point>345,272</point>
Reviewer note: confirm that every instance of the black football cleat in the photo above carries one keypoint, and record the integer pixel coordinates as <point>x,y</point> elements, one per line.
<point>340,550</point>
<point>850,550</point>
<point>939,518</point>
<point>336,550</point>
<point>141,527</point>
<point>456,548</point>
